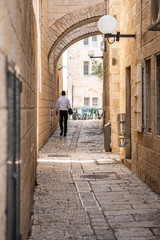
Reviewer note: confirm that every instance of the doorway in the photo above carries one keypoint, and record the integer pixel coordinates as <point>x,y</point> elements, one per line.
<point>128,112</point>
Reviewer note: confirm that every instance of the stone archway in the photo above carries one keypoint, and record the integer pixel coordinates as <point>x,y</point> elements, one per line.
<point>56,37</point>
<point>72,21</point>
<point>71,28</point>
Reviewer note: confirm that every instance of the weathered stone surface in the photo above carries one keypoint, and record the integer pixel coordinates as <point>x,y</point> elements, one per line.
<point>18,44</point>
<point>104,201</point>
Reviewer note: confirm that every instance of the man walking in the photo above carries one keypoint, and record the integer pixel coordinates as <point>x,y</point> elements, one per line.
<point>63,104</point>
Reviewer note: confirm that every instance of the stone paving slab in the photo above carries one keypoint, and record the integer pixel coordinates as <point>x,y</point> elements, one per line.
<point>84,193</point>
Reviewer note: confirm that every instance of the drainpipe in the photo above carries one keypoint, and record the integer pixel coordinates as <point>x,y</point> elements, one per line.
<point>142,67</point>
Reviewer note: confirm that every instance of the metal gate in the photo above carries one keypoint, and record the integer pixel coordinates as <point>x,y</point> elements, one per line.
<point>14,88</point>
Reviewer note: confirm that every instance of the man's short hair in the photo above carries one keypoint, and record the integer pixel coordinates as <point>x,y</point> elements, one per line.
<point>63,93</point>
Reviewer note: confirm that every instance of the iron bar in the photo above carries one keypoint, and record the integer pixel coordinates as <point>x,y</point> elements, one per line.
<point>97,57</point>
<point>118,35</point>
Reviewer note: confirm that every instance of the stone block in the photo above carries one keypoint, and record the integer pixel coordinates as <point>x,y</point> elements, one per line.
<point>133,232</point>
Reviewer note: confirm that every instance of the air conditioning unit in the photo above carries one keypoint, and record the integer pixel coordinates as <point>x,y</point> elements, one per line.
<point>155,15</point>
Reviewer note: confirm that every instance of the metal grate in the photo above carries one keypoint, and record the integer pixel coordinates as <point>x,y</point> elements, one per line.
<point>94,176</point>
<point>58,155</point>
<point>14,87</point>
<point>101,175</point>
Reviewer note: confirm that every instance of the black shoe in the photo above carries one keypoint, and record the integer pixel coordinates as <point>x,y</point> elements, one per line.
<point>61,133</point>
<point>65,134</point>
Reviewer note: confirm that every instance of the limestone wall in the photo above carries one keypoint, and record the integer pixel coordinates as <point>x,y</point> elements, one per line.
<point>18,44</point>
<point>58,9</point>
<point>48,86</point>
<point>135,18</point>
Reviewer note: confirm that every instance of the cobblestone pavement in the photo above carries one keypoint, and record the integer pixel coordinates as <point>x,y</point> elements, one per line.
<point>84,193</point>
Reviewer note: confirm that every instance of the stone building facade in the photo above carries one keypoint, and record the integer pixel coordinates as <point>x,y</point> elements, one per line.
<point>84,88</point>
<point>138,73</point>
<point>18,142</point>
<point>143,60</point>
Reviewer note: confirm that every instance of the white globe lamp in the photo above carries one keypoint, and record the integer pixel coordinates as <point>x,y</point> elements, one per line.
<point>107,24</point>
<point>91,54</point>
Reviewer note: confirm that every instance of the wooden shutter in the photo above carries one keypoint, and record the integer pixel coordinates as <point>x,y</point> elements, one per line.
<point>138,97</point>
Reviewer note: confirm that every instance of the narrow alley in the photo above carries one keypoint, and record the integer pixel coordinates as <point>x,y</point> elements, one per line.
<point>105,56</point>
<point>85,193</point>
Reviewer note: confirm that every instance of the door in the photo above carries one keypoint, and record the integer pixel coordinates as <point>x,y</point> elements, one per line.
<point>128,113</point>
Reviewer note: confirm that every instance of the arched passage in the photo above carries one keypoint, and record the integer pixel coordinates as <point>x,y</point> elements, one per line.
<point>75,26</point>
<point>72,21</point>
<point>56,38</point>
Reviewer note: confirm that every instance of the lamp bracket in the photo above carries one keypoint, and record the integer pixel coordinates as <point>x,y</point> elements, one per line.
<point>118,35</point>
<point>97,57</point>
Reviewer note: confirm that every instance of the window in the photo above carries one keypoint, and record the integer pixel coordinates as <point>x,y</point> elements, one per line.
<point>95,101</point>
<point>86,68</point>
<point>147,95</point>
<point>86,42</point>
<point>94,41</point>
<point>86,101</point>
<point>157,90</point>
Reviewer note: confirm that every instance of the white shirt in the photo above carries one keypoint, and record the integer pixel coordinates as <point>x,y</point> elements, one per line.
<point>63,103</point>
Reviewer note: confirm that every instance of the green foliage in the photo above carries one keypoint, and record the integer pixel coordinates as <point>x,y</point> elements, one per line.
<point>98,69</point>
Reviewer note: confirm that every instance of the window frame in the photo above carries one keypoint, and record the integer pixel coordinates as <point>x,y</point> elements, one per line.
<point>156,97</point>
<point>88,98</point>
<point>86,45</point>
<point>86,75</point>
<point>147,98</point>
<point>96,103</point>
<point>94,43</point>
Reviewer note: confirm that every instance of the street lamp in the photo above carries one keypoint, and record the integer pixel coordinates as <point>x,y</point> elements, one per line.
<point>107,25</point>
<point>91,55</point>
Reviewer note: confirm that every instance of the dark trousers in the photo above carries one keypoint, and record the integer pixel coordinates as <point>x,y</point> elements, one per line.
<point>63,117</point>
